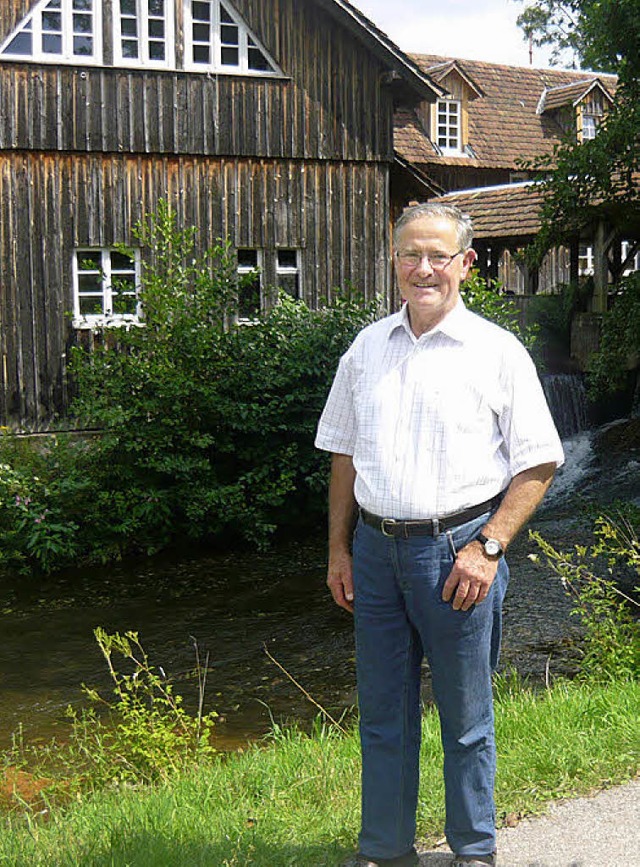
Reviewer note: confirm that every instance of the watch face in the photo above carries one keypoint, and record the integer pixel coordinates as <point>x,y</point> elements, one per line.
<point>492,547</point>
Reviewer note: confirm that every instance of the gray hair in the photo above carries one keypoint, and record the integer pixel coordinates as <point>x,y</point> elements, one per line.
<point>463,224</point>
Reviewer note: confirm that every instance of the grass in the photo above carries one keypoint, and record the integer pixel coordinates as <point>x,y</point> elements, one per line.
<point>294,801</point>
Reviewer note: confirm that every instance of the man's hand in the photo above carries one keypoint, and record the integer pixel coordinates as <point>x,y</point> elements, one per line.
<point>340,580</point>
<point>471,578</point>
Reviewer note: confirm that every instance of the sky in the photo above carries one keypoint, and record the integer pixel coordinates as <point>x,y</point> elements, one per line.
<point>471,29</point>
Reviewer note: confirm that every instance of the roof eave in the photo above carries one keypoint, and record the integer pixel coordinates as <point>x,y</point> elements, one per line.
<point>386,50</point>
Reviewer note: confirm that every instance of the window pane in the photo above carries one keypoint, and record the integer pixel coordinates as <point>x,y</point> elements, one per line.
<point>229,35</point>
<point>201,32</point>
<point>201,54</point>
<point>82,24</point>
<point>83,46</point>
<point>82,5</point>
<point>51,44</point>
<point>258,61</point>
<point>90,305</point>
<point>156,8</point>
<point>156,50</point>
<point>125,304</point>
<point>129,48</point>
<point>89,260</point>
<point>121,262</point>
<point>129,27</point>
<point>21,44</point>
<point>289,282</point>
<point>201,11</point>
<point>128,7</point>
<point>156,28</point>
<point>89,284</point>
<point>229,56</point>
<point>247,258</point>
<point>287,259</point>
<point>52,22</point>
<point>224,16</point>
<point>249,299</point>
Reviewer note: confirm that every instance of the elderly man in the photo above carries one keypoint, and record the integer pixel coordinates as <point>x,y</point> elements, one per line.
<point>442,447</point>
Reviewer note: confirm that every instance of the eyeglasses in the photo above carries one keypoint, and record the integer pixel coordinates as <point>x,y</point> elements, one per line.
<point>437,261</point>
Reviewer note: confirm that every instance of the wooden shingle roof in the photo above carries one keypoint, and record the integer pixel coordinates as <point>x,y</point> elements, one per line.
<point>507,211</point>
<point>569,94</point>
<point>504,125</point>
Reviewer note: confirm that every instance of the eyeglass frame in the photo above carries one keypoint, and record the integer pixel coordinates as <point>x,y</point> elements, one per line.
<point>423,256</point>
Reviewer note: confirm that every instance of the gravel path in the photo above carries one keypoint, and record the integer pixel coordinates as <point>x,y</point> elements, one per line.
<point>600,831</point>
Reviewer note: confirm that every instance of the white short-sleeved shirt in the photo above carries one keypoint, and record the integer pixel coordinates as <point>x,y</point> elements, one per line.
<point>439,423</point>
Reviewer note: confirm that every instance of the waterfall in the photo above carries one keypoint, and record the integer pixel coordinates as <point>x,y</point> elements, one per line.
<point>567,399</point>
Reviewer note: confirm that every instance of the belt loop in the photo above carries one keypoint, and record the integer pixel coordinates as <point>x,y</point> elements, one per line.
<point>436,527</point>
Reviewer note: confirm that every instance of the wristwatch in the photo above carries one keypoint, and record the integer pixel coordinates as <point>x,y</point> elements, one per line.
<point>492,547</point>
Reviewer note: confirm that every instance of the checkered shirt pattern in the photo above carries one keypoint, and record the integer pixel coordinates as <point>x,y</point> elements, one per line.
<point>439,423</point>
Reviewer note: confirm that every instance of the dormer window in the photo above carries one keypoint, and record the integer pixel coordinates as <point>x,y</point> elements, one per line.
<point>449,126</point>
<point>218,40</point>
<point>67,31</point>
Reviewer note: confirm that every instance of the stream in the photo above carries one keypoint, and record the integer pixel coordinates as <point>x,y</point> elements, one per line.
<point>236,605</point>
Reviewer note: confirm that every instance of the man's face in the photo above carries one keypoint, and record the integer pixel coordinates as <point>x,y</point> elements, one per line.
<point>430,292</point>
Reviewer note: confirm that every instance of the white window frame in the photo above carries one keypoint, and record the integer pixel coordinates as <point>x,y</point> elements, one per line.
<point>215,45</point>
<point>243,270</point>
<point>589,126</point>
<point>450,107</point>
<point>144,38</point>
<point>107,317</point>
<point>66,56</point>
<point>585,260</point>
<point>288,270</point>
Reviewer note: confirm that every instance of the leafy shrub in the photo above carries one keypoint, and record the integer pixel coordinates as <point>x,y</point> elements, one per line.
<point>486,298</point>
<point>618,353</point>
<point>611,647</point>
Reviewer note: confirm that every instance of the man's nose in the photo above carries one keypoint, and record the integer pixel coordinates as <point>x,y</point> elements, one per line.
<point>424,265</point>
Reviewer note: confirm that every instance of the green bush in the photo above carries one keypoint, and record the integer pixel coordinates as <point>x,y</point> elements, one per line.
<point>486,297</point>
<point>611,642</point>
<point>619,349</point>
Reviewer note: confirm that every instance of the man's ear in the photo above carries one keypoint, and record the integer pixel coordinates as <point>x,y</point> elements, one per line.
<point>467,261</point>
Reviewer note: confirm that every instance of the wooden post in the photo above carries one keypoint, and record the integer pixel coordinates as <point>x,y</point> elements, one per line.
<point>600,270</point>
<point>574,261</point>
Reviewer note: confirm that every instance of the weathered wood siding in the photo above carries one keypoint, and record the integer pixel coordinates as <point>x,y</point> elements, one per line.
<point>330,106</point>
<point>299,162</point>
<point>50,205</point>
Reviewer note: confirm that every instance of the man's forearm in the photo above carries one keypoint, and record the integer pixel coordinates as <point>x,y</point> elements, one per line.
<point>342,503</point>
<point>523,496</point>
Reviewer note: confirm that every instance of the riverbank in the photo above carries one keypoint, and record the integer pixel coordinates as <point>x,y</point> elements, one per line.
<point>294,800</point>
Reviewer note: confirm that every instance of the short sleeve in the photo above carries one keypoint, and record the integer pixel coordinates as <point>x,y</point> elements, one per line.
<point>337,426</point>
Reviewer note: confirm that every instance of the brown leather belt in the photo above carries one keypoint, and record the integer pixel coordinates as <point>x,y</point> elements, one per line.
<point>428,526</point>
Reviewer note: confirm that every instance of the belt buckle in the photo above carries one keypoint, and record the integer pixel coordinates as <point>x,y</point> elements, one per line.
<point>391,522</point>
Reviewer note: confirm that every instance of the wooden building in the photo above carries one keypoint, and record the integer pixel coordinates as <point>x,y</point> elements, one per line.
<point>474,142</point>
<point>268,122</point>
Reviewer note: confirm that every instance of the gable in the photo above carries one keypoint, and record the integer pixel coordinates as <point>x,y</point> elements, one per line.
<point>138,33</point>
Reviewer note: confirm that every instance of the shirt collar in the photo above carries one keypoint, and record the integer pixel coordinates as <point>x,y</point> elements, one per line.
<point>454,325</point>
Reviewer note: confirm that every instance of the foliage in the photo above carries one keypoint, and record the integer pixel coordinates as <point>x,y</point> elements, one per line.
<point>579,176</point>
<point>42,495</point>
<point>147,735</point>
<point>584,27</point>
<point>487,298</point>
<point>618,351</point>
<point>208,428</point>
<point>295,799</point>
<point>553,314</point>
<point>141,737</point>
<point>611,634</point>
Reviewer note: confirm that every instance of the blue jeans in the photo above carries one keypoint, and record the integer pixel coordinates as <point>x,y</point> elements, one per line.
<point>399,618</point>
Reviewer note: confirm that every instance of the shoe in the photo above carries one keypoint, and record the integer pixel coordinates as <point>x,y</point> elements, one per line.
<point>473,861</point>
<point>409,860</point>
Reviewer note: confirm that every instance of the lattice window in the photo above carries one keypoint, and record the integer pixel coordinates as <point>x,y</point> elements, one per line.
<point>105,284</point>
<point>67,31</point>
<point>250,288</point>
<point>217,39</point>
<point>448,125</point>
<point>288,272</point>
<point>143,33</point>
